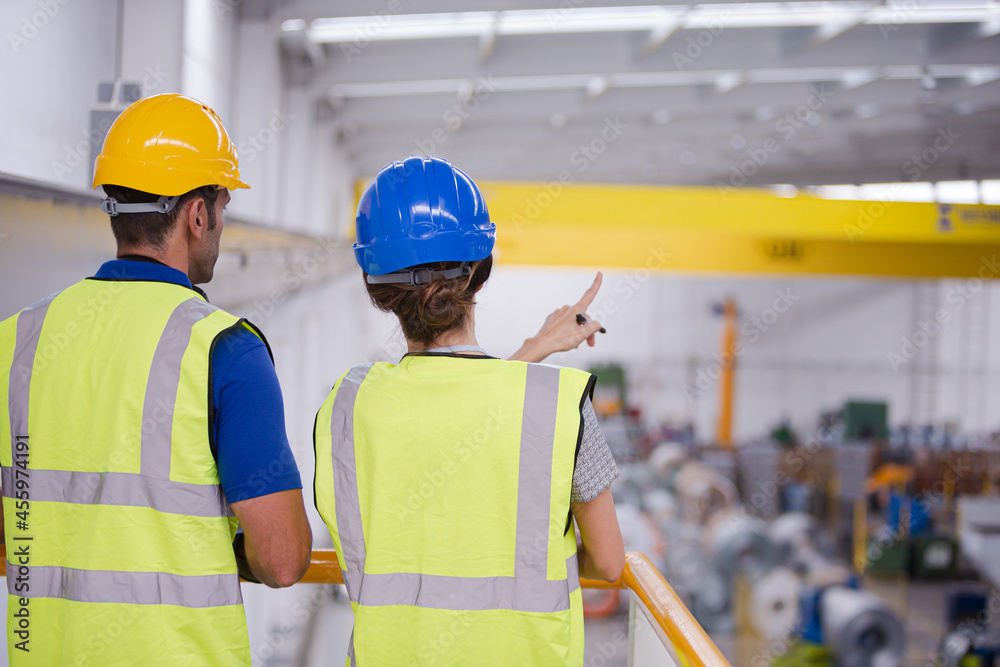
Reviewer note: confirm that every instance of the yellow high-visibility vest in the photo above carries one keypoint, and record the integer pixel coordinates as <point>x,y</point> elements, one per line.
<point>445,483</point>
<point>119,538</point>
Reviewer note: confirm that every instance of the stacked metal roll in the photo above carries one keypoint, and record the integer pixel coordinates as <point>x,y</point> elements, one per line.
<point>686,564</point>
<point>703,491</point>
<point>860,629</point>
<point>774,603</point>
<point>739,543</point>
<point>793,532</point>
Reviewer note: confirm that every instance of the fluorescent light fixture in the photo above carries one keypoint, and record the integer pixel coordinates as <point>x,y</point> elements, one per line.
<point>946,192</point>
<point>990,192</point>
<point>786,190</point>
<point>659,20</point>
<point>837,192</point>
<point>293,24</point>
<point>957,192</point>
<point>877,192</point>
<point>919,191</point>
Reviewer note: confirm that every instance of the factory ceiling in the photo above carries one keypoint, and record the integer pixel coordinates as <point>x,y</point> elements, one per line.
<point>753,93</point>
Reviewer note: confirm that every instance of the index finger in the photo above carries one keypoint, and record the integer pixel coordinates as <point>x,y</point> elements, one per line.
<point>591,293</point>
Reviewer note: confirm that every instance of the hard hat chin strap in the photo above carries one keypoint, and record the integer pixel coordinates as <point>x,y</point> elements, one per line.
<point>414,277</point>
<point>162,205</point>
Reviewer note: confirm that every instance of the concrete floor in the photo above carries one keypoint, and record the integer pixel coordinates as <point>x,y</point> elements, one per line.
<point>921,605</point>
<point>603,645</point>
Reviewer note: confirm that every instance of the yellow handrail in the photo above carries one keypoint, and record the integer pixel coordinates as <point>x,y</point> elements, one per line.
<point>689,640</point>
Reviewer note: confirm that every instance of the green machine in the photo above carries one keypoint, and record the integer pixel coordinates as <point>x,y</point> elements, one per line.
<point>934,557</point>
<point>805,654</point>
<point>865,421</point>
<point>609,393</point>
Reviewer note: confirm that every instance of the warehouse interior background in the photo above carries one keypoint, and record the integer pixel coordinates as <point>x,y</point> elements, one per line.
<point>836,165</point>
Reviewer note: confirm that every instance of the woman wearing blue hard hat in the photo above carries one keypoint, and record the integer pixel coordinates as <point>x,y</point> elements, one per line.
<point>450,481</point>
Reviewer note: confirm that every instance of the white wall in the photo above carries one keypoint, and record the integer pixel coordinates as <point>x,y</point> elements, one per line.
<point>50,63</point>
<point>53,60</point>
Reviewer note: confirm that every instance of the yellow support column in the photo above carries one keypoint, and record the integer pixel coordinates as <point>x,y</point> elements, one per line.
<point>860,535</point>
<point>724,429</point>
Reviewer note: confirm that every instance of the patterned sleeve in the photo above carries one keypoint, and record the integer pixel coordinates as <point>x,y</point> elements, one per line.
<point>595,466</point>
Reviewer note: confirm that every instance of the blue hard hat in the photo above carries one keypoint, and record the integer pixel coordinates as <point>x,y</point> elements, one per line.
<point>418,211</point>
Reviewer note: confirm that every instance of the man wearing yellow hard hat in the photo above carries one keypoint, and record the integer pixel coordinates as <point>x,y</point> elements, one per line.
<point>140,419</point>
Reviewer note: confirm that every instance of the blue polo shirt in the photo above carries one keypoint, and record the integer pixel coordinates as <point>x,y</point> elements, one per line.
<point>251,447</point>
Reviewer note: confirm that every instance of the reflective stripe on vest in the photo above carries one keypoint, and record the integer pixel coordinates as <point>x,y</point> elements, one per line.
<point>529,589</point>
<point>212,590</point>
<point>151,488</point>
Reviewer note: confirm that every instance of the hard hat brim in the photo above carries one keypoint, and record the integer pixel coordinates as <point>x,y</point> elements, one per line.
<point>160,180</point>
<point>391,255</point>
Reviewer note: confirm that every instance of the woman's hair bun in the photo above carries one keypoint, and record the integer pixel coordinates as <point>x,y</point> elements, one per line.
<point>429,310</point>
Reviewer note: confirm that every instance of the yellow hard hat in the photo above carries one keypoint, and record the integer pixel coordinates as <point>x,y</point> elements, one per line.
<point>167,145</point>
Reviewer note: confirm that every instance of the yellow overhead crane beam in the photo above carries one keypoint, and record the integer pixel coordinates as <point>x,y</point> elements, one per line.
<point>728,230</point>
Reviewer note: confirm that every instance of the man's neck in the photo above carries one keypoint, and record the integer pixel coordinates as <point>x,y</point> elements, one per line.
<point>138,257</point>
<point>174,257</point>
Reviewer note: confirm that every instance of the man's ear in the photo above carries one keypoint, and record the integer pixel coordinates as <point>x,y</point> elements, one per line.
<point>195,217</point>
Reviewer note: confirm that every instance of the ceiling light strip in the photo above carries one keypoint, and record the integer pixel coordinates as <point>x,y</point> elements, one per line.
<point>624,19</point>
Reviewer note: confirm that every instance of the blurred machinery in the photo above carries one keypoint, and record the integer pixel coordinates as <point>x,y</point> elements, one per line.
<point>767,541</point>
<point>779,580</point>
<point>860,629</point>
<point>910,540</point>
<point>969,642</point>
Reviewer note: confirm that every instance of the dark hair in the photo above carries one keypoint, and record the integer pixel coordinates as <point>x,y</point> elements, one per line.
<point>151,229</point>
<point>429,310</point>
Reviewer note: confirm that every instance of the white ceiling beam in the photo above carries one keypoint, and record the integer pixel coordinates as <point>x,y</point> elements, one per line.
<point>990,26</point>
<point>488,38</point>
<point>851,76</point>
<point>797,40</point>
<point>297,42</point>
<point>660,34</point>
